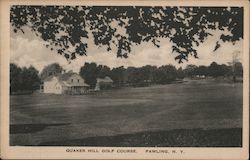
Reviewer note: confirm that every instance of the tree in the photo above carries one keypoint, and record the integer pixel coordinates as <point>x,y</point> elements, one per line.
<point>130,75</point>
<point>90,73</point>
<point>153,74</point>
<point>226,70</point>
<point>15,77</point>
<point>29,79</point>
<point>214,69</point>
<point>23,79</point>
<point>103,71</point>
<point>166,74</point>
<point>238,68</point>
<point>180,73</point>
<point>117,75</point>
<point>190,70</point>
<point>201,70</point>
<point>52,69</point>
<point>147,73</point>
<point>66,28</point>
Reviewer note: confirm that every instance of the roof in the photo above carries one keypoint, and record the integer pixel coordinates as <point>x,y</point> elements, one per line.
<point>61,77</point>
<point>78,84</point>
<point>63,83</point>
<point>106,79</point>
<point>66,76</point>
<point>49,78</point>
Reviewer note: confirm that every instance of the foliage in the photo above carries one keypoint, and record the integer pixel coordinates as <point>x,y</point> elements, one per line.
<point>145,75</point>
<point>52,69</point>
<point>90,72</point>
<point>179,73</point>
<point>190,70</point>
<point>15,77</point>
<point>119,28</point>
<point>166,74</point>
<point>130,75</point>
<point>201,70</point>
<point>103,71</point>
<point>117,75</point>
<point>23,79</point>
<point>238,69</point>
<point>140,76</point>
<point>214,70</point>
<point>27,79</point>
<point>148,73</point>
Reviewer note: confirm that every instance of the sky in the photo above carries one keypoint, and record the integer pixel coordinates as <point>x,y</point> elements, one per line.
<point>28,49</point>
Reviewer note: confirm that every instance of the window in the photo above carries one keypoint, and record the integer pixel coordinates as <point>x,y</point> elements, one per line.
<point>72,80</point>
<point>78,80</point>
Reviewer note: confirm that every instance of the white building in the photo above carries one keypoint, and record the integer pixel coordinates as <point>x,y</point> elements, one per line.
<point>67,83</point>
<point>103,83</point>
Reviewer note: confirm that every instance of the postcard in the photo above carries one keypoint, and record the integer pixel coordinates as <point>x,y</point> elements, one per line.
<point>114,79</point>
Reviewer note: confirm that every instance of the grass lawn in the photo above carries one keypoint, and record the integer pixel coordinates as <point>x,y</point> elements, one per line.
<point>194,113</point>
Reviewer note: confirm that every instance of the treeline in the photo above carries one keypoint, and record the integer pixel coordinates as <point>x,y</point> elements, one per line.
<point>215,70</point>
<point>29,79</point>
<point>140,76</point>
<point>134,76</point>
<point>23,80</point>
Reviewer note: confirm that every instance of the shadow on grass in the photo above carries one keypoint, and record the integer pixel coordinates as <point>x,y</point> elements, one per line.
<point>231,137</point>
<point>31,128</point>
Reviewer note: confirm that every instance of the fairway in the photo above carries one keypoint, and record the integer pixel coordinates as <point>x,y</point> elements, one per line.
<point>195,108</point>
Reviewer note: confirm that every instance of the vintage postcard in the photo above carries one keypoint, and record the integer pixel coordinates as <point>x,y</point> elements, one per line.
<point>124,79</point>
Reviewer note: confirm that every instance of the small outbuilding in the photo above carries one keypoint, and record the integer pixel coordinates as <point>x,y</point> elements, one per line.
<point>103,83</point>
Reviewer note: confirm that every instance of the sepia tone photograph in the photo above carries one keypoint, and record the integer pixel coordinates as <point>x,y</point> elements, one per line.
<point>126,76</point>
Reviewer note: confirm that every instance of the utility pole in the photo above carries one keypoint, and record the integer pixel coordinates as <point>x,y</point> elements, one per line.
<point>235,59</point>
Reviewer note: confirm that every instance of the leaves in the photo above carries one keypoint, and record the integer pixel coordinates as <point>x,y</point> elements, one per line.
<point>67,28</point>
<point>217,46</point>
<point>23,79</point>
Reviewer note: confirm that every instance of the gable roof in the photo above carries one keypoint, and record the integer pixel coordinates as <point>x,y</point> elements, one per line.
<point>66,76</point>
<point>61,77</point>
<point>106,79</point>
<point>64,83</point>
<point>49,78</point>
